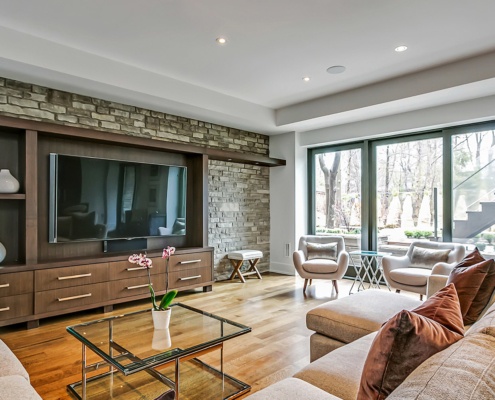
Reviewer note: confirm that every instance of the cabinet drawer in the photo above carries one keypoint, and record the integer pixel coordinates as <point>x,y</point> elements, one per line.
<point>137,286</point>
<point>191,260</point>
<point>16,306</point>
<point>55,278</point>
<point>16,283</point>
<point>66,298</point>
<point>124,269</point>
<point>190,277</point>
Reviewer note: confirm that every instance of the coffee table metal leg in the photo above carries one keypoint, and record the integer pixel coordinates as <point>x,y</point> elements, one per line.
<point>177,375</point>
<point>83,380</point>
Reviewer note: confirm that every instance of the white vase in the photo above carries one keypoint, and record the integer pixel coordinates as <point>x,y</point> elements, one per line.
<point>3,252</point>
<point>8,184</point>
<point>161,319</point>
<point>161,339</point>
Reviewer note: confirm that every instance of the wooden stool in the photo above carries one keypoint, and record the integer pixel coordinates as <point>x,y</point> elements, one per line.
<point>238,257</point>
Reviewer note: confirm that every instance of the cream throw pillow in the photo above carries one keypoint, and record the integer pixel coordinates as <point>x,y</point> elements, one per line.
<point>327,251</point>
<point>423,257</point>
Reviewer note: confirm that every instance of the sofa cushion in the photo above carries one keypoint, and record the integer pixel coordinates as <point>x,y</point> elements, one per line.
<point>16,387</point>
<point>292,388</point>
<point>468,280</point>
<point>485,324</point>
<point>408,339</point>
<point>474,279</point>
<point>9,363</point>
<point>461,371</point>
<point>352,317</point>
<point>339,372</point>
<point>411,276</point>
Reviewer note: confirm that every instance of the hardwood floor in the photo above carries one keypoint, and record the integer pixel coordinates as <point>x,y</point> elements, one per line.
<point>274,307</point>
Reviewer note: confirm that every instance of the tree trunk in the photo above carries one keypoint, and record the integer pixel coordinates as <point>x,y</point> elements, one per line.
<point>330,175</point>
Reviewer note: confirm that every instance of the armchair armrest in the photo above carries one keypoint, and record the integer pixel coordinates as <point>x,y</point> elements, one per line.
<point>343,261</point>
<point>298,258</point>
<point>435,283</point>
<point>442,268</point>
<point>390,263</point>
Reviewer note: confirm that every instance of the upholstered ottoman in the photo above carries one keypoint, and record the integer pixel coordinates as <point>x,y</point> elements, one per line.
<point>347,319</point>
<point>238,257</point>
<point>292,388</point>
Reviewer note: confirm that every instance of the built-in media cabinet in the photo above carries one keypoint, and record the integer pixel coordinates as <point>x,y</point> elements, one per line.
<point>39,279</point>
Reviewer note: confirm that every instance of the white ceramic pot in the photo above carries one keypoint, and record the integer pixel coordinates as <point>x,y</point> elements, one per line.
<point>8,184</point>
<point>3,252</point>
<point>161,319</point>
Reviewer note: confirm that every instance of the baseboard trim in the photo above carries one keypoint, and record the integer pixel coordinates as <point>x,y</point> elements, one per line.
<point>284,269</point>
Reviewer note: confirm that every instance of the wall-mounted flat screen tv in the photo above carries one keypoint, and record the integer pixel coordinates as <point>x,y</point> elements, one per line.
<point>102,199</point>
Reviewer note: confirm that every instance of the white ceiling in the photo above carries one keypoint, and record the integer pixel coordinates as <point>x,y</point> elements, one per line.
<point>163,55</point>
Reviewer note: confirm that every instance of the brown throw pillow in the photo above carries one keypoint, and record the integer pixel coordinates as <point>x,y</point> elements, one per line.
<point>408,339</point>
<point>326,251</point>
<point>474,279</point>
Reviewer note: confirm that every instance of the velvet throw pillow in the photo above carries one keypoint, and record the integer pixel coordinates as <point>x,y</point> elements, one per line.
<point>326,251</point>
<point>407,340</point>
<point>474,279</point>
<point>426,257</point>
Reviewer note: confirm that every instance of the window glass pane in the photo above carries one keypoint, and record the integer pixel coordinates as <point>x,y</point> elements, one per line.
<point>473,183</point>
<point>338,195</point>
<point>409,193</point>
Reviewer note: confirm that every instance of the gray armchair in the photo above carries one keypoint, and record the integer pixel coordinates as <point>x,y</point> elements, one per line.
<point>321,257</point>
<point>411,272</point>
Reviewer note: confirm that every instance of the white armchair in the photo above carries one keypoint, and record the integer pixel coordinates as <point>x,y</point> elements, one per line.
<point>321,257</point>
<point>423,259</point>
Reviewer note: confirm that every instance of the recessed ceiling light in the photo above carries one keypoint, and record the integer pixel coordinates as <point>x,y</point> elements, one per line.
<point>400,49</point>
<point>221,40</point>
<point>306,79</point>
<point>336,69</point>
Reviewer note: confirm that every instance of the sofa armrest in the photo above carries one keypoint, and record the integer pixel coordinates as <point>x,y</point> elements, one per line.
<point>435,283</point>
<point>343,262</point>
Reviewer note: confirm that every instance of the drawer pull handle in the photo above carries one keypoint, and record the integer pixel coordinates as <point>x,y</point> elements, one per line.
<point>188,278</point>
<point>63,278</point>
<point>5,309</point>
<point>74,297</point>
<point>5,285</point>
<point>190,261</point>
<point>137,286</point>
<point>136,268</point>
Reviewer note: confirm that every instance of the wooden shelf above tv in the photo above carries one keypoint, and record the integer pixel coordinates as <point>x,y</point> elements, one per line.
<point>75,133</point>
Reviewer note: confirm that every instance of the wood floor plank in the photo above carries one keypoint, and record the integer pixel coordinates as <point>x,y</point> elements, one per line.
<point>274,307</point>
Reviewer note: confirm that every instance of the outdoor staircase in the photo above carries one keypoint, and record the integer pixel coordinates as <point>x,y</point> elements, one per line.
<point>476,222</point>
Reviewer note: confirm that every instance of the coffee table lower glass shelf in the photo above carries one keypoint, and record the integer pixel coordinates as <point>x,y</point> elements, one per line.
<point>128,359</point>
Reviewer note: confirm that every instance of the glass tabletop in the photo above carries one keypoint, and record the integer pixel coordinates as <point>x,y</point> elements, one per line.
<point>131,344</point>
<point>369,253</point>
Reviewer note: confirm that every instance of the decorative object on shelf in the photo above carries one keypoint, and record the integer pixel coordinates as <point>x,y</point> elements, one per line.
<point>8,184</point>
<point>3,252</point>
<point>160,312</point>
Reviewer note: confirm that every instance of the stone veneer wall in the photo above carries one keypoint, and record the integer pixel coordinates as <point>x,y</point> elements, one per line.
<point>239,209</point>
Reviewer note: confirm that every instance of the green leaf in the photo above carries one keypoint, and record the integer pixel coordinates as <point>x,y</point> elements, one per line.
<point>153,302</point>
<point>167,299</point>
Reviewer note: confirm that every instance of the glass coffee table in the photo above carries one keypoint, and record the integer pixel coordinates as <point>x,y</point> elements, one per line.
<point>129,359</point>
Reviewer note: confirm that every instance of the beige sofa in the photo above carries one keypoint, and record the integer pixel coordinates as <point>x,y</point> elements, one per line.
<point>465,370</point>
<point>14,379</point>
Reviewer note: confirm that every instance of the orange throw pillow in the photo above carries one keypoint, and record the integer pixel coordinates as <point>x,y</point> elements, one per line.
<point>474,280</point>
<point>408,339</point>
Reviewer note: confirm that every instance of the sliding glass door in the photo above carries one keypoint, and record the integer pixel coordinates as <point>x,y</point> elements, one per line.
<point>408,192</point>
<point>473,184</point>
<point>337,194</point>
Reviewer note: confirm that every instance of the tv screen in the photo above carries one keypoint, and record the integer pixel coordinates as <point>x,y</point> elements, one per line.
<point>101,199</point>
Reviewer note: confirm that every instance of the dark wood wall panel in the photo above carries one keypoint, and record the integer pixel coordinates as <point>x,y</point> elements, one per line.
<point>57,251</point>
